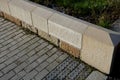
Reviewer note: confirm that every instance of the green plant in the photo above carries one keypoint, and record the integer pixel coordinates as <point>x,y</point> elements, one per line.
<point>101,12</point>
<point>104,21</point>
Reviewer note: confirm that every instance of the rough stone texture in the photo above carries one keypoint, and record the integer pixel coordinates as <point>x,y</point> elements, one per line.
<point>67,29</point>
<point>22,10</point>
<point>70,49</point>
<point>27,26</point>
<point>95,75</point>
<point>116,26</point>
<point>11,18</point>
<point>4,7</point>
<point>98,48</point>
<point>48,37</point>
<point>40,18</point>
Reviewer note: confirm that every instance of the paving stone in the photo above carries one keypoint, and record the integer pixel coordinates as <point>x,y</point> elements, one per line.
<point>64,64</point>
<point>7,42</point>
<point>4,53</point>
<point>84,73</point>
<point>19,44</point>
<point>31,53</point>
<point>13,35</point>
<point>95,75</point>
<point>18,36</point>
<point>15,78</point>
<point>42,74</point>
<point>8,68</point>
<point>7,76</point>
<point>31,59</point>
<point>10,60</point>
<point>42,66</point>
<point>52,66</point>
<point>30,75</point>
<point>13,53</point>
<point>43,51</point>
<point>72,65</point>
<point>1,73</point>
<point>34,46</point>
<point>8,33</point>
<point>7,24</point>
<point>61,58</point>
<point>52,51</point>
<point>63,74</point>
<point>30,67</point>
<point>59,53</point>
<point>52,74</point>
<point>42,58</point>
<point>19,75</point>
<point>21,60</point>
<point>20,67</point>
<point>52,58</point>
<point>76,72</point>
<point>41,46</point>
<point>3,59</point>
<point>2,66</point>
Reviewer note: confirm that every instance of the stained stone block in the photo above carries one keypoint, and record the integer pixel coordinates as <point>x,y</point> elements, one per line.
<point>99,47</point>
<point>70,49</point>
<point>48,37</point>
<point>67,29</point>
<point>22,10</point>
<point>11,18</point>
<point>27,26</point>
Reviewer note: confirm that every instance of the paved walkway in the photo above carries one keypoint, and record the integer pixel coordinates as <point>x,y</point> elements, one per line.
<point>25,56</point>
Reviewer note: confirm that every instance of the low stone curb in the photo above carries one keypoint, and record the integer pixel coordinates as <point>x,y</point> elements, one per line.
<point>92,44</point>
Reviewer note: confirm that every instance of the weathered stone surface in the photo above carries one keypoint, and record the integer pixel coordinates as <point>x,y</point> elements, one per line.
<point>27,26</point>
<point>22,10</point>
<point>70,49</point>
<point>95,75</point>
<point>11,18</point>
<point>4,7</point>
<point>40,18</point>
<point>98,48</point>
<point>48,37</point>
<point>67,29</point>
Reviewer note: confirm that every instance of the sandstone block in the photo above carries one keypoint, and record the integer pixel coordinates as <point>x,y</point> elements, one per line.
<point>98,48</point>
<point>11,18</point>
<point>40,18</point>
<point>67,29</point>
<point>22,10</point>
<point>70,49</point>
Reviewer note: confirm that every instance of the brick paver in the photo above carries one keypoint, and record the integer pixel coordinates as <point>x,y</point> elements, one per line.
<point>25,56</point>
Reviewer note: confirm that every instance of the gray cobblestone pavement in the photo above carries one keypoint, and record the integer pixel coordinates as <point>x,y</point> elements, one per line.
<point>25,56</point>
